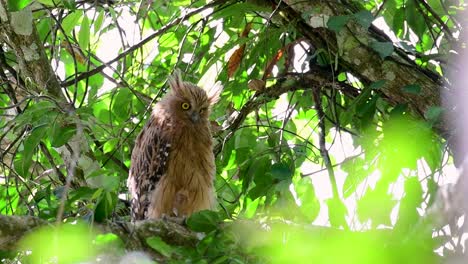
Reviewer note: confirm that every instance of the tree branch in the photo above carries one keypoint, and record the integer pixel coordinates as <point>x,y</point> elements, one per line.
<point>14,228</point>
<point>159,32</point>
<point>20,34</point>
<point>323,147</point>
<point>308,81</point>
<point>363,62</point>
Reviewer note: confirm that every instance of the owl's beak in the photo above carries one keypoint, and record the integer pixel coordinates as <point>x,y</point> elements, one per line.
<point>195,117</point>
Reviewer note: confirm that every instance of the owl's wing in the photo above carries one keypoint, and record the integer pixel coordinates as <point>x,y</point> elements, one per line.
<point>149,158</point>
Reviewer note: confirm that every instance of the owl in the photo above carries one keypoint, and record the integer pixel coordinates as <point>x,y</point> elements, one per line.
<point>172,164</point>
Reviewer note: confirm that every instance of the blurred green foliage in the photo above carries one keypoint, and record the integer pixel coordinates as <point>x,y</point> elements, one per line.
<point>260,169</point>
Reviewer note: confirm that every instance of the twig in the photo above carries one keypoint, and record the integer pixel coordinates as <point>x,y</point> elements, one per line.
<point>141,43</point>
<point>323,148</point>
<point>75,154</point>
<point>293,83</point>
<point>436,16</point>
<point>52,163</point>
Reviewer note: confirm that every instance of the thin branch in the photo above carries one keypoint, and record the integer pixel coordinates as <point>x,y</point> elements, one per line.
<point>159,32</point>
<point>49,157</point>
<point>323,148</point>
<point>291,83</point>
<point>434,14</point>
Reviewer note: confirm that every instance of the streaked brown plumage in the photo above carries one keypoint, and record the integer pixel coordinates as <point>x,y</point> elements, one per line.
<point>173,167</point>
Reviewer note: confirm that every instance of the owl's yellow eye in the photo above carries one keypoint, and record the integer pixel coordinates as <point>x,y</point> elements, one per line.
<point>185,106</point>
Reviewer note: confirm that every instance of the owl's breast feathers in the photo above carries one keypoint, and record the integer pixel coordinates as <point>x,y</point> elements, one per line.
<point>187,186</point>
<point>172,169</point>
<point>191,161</point>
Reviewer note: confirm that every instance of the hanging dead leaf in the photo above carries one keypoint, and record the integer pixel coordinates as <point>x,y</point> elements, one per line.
<point>272,63</point>
<point>290,54</point>
<point>235,61</point>
<point>256,85</point>
<point>246,30</point>
<point>236,58</point>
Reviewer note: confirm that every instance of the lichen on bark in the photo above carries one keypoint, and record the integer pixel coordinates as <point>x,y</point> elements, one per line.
<point>22,21</point>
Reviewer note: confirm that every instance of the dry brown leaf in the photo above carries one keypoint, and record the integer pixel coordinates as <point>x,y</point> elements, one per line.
<point>256,85</point>
<point>235,60</point>
<point>290,54</point>
<point>272,63</point>
<point>246,30</point>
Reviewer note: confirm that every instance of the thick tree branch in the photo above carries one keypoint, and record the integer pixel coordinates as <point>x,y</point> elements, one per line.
<point>308,81</point>
<point>250,234</point>
<point>13,228</point>
<point>352,47</point>
<point>19,33</point>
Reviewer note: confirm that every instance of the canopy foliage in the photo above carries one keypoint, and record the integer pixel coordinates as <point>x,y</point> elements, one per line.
<point>330,114</point>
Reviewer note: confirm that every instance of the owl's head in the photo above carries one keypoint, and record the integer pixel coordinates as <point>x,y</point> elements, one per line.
<point>189,102</point>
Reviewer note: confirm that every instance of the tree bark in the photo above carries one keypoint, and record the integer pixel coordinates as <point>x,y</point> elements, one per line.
<point>20,34</point>
<point>351,46</point>
<point>134,235</point>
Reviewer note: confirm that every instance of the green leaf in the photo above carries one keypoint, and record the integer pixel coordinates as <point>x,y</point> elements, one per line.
<point>389,12</point>
<point>336,212</point>
<point>203,221</point>
<point>160,246</point>
<point>384,49</point>
<point>82,193</point>
<point>109,240</point>
<point>83,36</point>
<point>408,215</point>
<point>367,111</point>
<point>342,77</point>
<point>181,2</point>
<point>61,133</point>
<point>356,173</point>
<point>24,160</point>
<point>70,4</point>
<point>244,139</point>
<point>434,113</point>
<point>110,145</point>
<point>100,178</point>
<point>281,171</point>
<point>414,18</point>
<point>240,8</point>
<point>46,2</point>
<point>364,18</point>
<point>70,22</point>
<point>122,103</point>
<point>399,21</point>
<point>377,84</point>
<point>105,206</point>
<point>259,170</point>
<point>17,5</point>
<point>376,205</point>
<point>336,23</point>
<point>412,89</point>
<point>310,206</point>
<point>98,22</point>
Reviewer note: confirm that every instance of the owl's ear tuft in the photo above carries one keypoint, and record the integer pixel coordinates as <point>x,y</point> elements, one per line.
<point>175,81</point>
<point>214,93</point>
